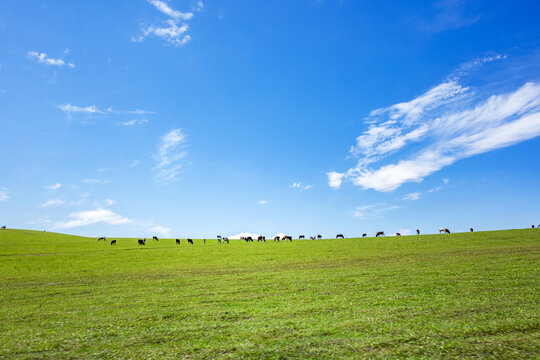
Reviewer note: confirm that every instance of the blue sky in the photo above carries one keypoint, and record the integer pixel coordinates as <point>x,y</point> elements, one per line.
<point>186,118</point>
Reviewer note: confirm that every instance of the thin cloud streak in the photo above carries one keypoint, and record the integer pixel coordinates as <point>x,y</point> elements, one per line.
<point>169,155</point>
<point>84,218</point>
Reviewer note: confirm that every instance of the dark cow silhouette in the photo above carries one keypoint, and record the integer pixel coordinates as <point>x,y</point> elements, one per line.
<point>364,235</point>
<point>155,238</point>
<point>177,241</point>
<point>3,226</point>
<point>113,242</point>
<point>340,236</point>
<point>532,226</point>
<point>219,241</point>
<point>261,238</point>
<point>472,229</point>
<point>319,236</point>
<point>141,242</point>
<point>444,230</point>
<point>380,233</point>
<point>276,238</point>
<point>287,237</point>
<point>398,234</point>
<point>312,237</point>
<point>417,232</point>
<point>219,236</point>
<point>102,238</point>
<point>248,239</point>
<point>225,240</point>
<point>301,237</point>
<point>190,241</point>
<point>204,241</point>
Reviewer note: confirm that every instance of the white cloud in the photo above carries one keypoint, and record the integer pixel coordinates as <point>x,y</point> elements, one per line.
<point>169,154</point>
<point>403,231</point>
<point>95,181</point>
<point>161,231</point>
<point>264,202</point>
<point>446,181</point>
<point>244,234</point>
<point>84,218</point>
<point>412,196</point>
<point>174,29</point>
<point>3,195</point>
<point>54,187</point>
<point>45,59</point>
<point>109,202</point>
<point>447,127</point>
<point>135,122</point>
<point>53,202</point>
<point>367,211</point>
<point>92,109</point>
<point>335,179</point>
<point>139,112</point>
<point>300,186</point>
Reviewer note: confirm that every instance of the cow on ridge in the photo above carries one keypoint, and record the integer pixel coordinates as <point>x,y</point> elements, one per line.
<point>141,242</point>
<point>113,242</point>
<point>155,238</point>
<point>380,233</point>
<point>398,234</point>
<point>190,241</point>
<point>417,232</point>
<point>364,235</point>
<point>472,229</point>
<point>340,236</point>
<point>444,230</point>
<point>301,237</point>
<point>261,238</point>
<point>319,236</point>
<point>177,241</point>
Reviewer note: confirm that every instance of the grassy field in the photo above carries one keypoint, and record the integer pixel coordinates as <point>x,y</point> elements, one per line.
<point>431,296</point>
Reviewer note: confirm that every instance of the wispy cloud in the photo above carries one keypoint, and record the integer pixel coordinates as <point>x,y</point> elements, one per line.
<point>161,231</point>
<point>133,122</point>
<point>174,29</point>
<point>92,109</point>
<point>263,202</point>
<point>3,194</point>
<point>447,123</point>
<point>54,187</point>
<point>84,218</point>
<point>170,153</point>
<point>53,202</point>
<point>413,196</point>
<point>300,186</point>
<point>47,60</point>
<point>95,181</point>
<point>449,15</point>
<point>110,202</point>
<point>368,211</point>
<point>134,163</point>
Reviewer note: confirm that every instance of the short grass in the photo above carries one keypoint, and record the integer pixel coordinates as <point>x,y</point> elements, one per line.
<point>432,296</point>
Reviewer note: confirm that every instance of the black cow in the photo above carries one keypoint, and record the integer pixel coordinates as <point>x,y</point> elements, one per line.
<point>364,235</point>
<point>444,230</point>
<point>177,241</point>
<point>225,240</point>
<point>248,239</point>
<point>339,236</point>
<point>301,237</point>
<point>398,234</point>
<point>319,236</point>
<point>190,241</point>
<point>532,226</point>
<point>219,240</point>
<point>204,241</point>
<point>102,238</point>
<point>261,238</point>
<point>287,237</point>
<point>3,226</point>
<point>155,238</point>
<point>472,229</point>
<point>219,236</point>
<point>141,242</point>
<point>380,233</point>
<point>417,232</point>
<point>276,238</point>
<point>113,242</point>
<point>312,237</point>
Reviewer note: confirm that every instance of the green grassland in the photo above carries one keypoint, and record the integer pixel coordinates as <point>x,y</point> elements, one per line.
<point>471,295</point>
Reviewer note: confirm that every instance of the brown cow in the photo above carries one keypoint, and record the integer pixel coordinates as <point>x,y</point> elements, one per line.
<point>398,234</point>
<point>380,233</point>
<point>113,242</point>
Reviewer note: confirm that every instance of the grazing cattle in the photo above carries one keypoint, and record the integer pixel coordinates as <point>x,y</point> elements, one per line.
<point>339,236</point>
<point>532,226</point>
<point>364,235</point>
<point>472,229</point>
<point>398,234</point>
<point>261,238</point>
<point>301,237</point>
<point>287,237</point>
<point>248,238</point>
<point>155,238</point>
<point>312,237</point>
<point>102,238</point>
<point>417,232</point>
<point>177,241</point>
<point>444,230</point>
<point>219,236</point>
<point>276,238</point>
<point>219,241</point>
<point>319,236</point>
<point>225,240</point>
<point>3,226</point>
<point>380,233</point>
<point>113,242</point>
<point>141,242</point>
<point>190,241</point>
<point>204,241</point>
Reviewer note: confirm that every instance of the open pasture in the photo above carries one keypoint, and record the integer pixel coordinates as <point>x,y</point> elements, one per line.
<point>431,296</point>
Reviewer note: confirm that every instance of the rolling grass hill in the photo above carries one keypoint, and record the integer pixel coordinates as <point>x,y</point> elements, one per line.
<point>432,296</point>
